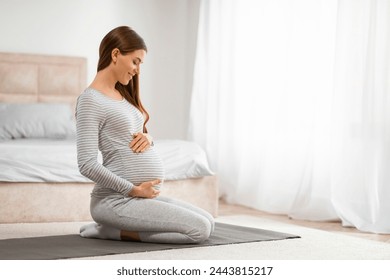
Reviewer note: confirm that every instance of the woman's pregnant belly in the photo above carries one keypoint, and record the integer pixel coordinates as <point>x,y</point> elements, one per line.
<point>135,167</point>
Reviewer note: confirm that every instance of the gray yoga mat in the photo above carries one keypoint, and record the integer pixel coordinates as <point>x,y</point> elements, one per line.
<point>74,246</point>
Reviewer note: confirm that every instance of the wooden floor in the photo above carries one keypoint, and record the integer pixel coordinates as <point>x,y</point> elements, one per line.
<point>229,209</point>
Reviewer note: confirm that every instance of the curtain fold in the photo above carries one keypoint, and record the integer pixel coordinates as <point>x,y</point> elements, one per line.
<point>290,103</point>
<point>360,177</point>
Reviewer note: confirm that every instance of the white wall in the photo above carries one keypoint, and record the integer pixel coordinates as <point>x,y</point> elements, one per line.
<point>76,27</point>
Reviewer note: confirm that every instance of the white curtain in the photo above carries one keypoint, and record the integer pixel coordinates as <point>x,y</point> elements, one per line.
<point>290,101</point>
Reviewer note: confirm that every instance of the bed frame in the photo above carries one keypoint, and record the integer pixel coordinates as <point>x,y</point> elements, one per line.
<point>43,78</point>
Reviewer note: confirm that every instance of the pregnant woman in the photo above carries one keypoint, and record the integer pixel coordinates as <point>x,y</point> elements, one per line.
<point>125,202</point>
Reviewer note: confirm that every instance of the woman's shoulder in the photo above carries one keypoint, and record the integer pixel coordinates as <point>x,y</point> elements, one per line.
<point>90,96</point>
<point>90,102</point>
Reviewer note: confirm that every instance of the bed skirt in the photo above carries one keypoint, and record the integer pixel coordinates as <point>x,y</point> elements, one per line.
<point>69,202</point>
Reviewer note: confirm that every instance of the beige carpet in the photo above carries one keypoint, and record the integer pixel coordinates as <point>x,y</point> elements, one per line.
<point>313,244</point>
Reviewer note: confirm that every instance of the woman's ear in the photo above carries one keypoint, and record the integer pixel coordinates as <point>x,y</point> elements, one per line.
<point>114,54</point>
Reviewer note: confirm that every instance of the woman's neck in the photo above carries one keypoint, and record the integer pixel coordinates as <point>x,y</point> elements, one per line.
<point>105,83</point>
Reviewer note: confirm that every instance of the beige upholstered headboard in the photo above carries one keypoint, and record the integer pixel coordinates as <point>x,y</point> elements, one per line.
<point>41,78</point>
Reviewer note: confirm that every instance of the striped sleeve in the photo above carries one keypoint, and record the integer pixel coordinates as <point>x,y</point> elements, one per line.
<point>90,117</point>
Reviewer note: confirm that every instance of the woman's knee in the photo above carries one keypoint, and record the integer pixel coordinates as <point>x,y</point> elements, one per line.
<point>201,231</point>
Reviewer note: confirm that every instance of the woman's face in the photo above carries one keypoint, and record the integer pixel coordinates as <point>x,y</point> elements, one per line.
<point>128,65</point>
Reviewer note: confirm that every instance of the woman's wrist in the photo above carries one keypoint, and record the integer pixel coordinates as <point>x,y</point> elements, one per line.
<point>134,191</point>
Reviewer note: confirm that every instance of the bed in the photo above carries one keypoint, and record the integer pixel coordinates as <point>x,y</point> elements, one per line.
<point>39,178</point>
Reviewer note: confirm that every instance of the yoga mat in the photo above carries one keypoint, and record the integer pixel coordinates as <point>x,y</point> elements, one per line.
<point>74,246</point>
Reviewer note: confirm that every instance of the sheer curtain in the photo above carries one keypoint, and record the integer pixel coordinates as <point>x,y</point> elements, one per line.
<point>289,101</point>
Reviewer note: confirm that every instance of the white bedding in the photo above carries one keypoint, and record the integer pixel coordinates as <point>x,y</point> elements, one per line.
<point>45,160</point>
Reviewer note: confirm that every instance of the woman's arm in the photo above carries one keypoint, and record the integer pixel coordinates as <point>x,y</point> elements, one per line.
<point>90,117</point>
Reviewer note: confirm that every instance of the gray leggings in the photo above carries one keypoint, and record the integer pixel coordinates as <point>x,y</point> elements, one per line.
<point>160,220</point>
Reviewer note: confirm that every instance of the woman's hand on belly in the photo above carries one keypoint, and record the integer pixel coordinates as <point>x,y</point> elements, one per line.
<point>146,189</point>
<point>141,142</point>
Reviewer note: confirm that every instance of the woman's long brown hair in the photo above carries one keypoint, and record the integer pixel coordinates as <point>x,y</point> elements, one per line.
<point>126,40</point>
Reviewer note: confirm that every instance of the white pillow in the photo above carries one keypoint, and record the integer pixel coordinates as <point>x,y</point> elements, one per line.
<point>36,120</point>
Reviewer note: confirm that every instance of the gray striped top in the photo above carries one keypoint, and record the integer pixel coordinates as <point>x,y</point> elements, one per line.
<point>108,125</point>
